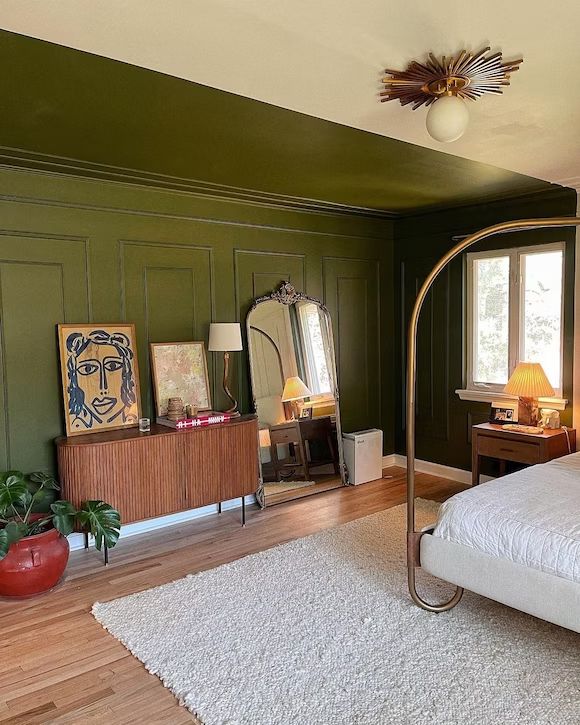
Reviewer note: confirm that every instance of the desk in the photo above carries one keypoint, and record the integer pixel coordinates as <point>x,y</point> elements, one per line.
<point>297,434</point>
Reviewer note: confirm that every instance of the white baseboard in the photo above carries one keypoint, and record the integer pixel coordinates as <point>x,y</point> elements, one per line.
<point>435,469</point>
<point>76,541</point>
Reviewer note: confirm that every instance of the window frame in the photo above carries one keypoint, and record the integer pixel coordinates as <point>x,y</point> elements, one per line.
<point>515,303</point>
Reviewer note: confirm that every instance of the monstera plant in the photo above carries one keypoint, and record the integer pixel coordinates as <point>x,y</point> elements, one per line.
<point>33,529</point>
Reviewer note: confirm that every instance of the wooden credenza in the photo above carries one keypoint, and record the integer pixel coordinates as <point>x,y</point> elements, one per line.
<point>144,475</point>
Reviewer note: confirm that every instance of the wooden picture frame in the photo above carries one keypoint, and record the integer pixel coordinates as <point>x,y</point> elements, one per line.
<point>100,376</point>
<point>170,362</point>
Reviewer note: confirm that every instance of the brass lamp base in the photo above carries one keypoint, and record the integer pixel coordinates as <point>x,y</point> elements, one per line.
<point>234,409</point>
<point>528,412</point>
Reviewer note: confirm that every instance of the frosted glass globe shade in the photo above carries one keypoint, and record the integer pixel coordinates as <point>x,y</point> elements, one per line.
<point>447,119</point>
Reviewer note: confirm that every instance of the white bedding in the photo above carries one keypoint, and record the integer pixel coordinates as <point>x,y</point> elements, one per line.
<point>531,517</point>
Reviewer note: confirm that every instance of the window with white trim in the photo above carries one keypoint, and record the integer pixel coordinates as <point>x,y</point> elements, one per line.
<point>514,313</point>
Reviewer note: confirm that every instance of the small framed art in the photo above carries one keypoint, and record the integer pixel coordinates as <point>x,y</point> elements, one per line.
<point>503,414</point>
<point>100,377</point>
<point>180,371</point>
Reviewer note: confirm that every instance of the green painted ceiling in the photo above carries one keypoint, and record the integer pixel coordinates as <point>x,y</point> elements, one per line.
<point>66,103</point>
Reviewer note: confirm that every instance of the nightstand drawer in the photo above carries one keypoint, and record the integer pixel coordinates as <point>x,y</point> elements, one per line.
<point>509,450</point>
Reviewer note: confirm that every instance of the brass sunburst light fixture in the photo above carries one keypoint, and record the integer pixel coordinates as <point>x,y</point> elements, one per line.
<point>444,84</point>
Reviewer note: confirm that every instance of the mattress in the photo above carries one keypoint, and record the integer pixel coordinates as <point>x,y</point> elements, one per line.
<point>531,517</point>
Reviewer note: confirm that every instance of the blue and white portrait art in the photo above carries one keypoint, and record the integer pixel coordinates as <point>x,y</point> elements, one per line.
<point>100,383</point>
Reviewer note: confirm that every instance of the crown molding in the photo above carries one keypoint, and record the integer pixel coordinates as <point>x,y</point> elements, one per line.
<point>19,159</point>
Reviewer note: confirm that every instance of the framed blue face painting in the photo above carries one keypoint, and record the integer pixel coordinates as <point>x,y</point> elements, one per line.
<point>100,377</point>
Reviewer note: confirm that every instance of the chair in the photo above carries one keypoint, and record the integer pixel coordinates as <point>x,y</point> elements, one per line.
<point>316,429</point>
<point>288,434</point>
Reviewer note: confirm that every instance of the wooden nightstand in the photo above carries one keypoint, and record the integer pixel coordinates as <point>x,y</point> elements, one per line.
<point>493,441</point>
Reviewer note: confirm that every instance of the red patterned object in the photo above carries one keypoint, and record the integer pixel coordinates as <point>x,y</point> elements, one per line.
<point>34,564</point>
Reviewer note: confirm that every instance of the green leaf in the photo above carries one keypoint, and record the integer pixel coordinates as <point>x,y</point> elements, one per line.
<point>44,480</point>
<point>10,534</point>
<point>64,515</point>
<point>13,491</point>
<point>8,474</point>
<point>102,521</point>
<point>4,543</point>
<point>15,530</point>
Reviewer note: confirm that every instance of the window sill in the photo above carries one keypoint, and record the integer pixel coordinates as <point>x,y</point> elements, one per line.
<point>488,396</point>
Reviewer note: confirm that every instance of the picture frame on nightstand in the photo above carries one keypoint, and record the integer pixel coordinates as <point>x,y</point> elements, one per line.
<point>502,413</point>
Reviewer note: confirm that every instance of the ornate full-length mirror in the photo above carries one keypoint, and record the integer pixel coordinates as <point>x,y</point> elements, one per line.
<point>295,392</point>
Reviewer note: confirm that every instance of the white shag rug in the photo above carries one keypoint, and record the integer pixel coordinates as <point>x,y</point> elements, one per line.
<point>321,631</point>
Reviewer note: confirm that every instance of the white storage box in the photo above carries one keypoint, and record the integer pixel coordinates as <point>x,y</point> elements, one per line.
<point>363,455</point>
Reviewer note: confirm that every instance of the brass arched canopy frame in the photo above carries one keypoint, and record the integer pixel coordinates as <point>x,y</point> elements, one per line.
<point>413,536</point>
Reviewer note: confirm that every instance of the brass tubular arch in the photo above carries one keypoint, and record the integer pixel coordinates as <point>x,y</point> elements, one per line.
<point>413,536</point>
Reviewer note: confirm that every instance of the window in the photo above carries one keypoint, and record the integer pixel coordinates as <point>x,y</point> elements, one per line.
<point>315,361</point>
<point>514,312</point>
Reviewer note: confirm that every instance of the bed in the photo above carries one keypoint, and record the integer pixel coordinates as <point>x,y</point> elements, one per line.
<point>516,540</point>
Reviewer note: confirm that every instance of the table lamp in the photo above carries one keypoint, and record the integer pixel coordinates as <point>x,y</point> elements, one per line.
<point>529,382</point>
<point>226,337</point>
<point>294,389</point>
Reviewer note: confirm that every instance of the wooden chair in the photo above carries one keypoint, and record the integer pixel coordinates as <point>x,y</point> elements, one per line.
<point>312,429</point>
<point>288,434</point>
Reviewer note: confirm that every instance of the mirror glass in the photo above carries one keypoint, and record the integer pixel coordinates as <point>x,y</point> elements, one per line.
<point>293,376</point>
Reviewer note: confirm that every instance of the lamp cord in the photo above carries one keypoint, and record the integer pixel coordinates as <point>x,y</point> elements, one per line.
<point>567,432</point>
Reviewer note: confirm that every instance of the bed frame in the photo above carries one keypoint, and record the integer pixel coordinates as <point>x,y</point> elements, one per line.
<point>543,595</point>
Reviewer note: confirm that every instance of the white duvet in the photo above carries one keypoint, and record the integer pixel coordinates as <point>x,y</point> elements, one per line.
<point>531,517</point>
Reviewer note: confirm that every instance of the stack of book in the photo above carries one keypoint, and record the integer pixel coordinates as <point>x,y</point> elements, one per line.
<point>208,418</point>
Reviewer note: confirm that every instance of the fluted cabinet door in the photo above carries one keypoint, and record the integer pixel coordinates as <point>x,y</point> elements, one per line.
<point>141,478</point>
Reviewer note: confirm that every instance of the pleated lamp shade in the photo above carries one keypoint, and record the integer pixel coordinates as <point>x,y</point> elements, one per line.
<point>529,380</point>
<point>294,389</point>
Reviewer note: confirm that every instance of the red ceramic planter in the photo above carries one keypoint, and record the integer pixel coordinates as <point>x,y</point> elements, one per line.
<point>34,564</point>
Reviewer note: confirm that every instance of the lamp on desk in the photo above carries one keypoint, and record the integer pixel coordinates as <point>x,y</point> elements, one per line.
<point>226,337</point>
<point>529,382</point>
<point>294,389</point>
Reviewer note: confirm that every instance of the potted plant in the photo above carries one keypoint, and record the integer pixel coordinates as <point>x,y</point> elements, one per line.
<point>34,549</point>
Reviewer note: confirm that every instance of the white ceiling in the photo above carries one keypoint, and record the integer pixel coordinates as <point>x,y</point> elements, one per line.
<point>325,57</point>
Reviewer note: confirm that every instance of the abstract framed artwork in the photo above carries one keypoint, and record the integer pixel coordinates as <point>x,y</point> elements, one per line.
<point>180,371</point>
<point>100,377</point>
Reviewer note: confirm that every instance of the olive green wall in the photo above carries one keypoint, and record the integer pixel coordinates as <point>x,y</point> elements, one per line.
<point>443,420</point>
<point>62,108</point>
<point>77,250</point>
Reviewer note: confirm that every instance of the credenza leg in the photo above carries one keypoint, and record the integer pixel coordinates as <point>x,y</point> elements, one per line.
<point>86,535</point>
<point>243,510</point>
<point>106,553</point>
<point>219,507</point>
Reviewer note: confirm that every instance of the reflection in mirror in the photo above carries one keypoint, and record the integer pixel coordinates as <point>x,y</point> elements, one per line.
<point>293,376</point>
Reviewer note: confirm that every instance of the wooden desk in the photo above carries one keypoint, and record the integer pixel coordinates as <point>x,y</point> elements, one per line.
<point>493,441</point>
<point>145,475</point>
<point>298,434</point>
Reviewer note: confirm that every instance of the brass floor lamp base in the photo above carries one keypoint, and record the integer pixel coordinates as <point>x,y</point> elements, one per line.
<point>413,536</point>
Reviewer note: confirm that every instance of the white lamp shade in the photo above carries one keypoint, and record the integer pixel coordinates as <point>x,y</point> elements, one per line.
<point>447,119</point>
<point>529,380</point>
<point>225,336</point>
<point>294,389</point>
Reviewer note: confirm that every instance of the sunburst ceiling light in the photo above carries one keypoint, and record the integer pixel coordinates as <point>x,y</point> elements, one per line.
<point>445,84</point>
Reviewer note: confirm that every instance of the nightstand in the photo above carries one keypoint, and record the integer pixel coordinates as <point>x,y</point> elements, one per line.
<point>492,441</point>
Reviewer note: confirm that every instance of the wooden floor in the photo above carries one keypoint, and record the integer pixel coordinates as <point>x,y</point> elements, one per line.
<point>58,665</point>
